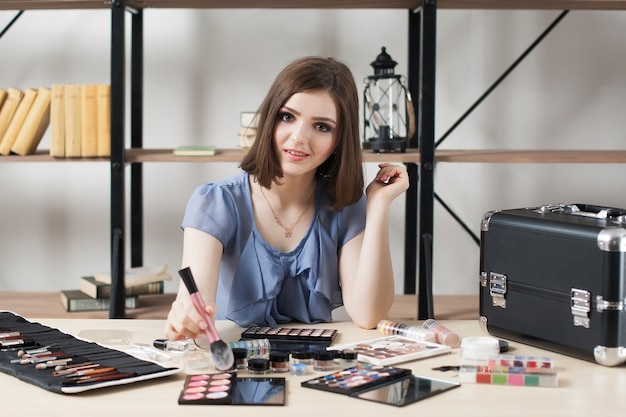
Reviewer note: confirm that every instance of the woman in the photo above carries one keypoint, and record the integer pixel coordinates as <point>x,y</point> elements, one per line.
<point>293,236</point>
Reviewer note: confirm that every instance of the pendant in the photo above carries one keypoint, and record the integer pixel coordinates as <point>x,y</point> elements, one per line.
<point>287,233</point>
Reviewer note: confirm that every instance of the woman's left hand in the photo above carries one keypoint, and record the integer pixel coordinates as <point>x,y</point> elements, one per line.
<point>391,181</point>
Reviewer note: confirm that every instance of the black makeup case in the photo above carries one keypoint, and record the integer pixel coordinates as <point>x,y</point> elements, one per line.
<point>554,277</point>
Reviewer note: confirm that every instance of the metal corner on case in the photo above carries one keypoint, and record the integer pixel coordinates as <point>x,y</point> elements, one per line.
<point>484,224</point>
<point>612,239</point>
<point>609,356</point>
<point>482,321</point>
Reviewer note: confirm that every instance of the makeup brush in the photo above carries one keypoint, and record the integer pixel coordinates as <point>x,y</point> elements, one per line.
<point>221,353</point>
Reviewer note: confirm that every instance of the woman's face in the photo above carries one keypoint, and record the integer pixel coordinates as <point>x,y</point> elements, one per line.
<point>305,132</point>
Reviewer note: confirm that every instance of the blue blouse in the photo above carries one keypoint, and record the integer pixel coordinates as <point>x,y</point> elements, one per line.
<point>259,284</point>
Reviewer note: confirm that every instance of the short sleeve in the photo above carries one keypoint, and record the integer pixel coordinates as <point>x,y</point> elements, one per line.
<point>212,208</point>
<point>351,221</point>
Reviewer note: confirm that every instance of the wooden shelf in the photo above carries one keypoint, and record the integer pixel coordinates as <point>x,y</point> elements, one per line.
<point>320,4</point>
<point>235,155</point>
<point>410,156</point>
<point>43,155</point>
<point>532,156</point>
<point>533,4</point>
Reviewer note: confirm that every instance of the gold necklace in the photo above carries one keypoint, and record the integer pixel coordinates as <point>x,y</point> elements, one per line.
<point>287,232</point>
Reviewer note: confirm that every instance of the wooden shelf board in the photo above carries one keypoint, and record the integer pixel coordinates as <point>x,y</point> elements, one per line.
<point>577,156</point>
<point>532,156</point>
<point>320,4</point>
<point>235,155</point>
<point>43,155</point>
<point>533,4</point>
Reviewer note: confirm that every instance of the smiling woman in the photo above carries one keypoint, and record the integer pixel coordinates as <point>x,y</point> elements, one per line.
<point>287,239</point>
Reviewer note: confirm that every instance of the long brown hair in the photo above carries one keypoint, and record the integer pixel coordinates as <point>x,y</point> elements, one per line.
<point>342,172</point>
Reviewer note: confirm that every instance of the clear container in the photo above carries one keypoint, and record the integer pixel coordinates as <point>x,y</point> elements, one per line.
<point>258,365</point>
<point>323,360</point>
<point>476,351</point>
<point>279,361</point>
<point>348,358</point>
<point>302,356</point>
<point>241,358</point>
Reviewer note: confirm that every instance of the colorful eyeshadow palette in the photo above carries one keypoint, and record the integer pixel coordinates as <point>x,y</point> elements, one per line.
<point>514,375</point>
<point>356,379</point>
<point>290,338</point>
<point>390,350</point>
<point>383,384</point>
<point>225,388</point>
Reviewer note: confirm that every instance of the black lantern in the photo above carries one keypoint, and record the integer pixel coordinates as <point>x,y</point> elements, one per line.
<point>388,111</point>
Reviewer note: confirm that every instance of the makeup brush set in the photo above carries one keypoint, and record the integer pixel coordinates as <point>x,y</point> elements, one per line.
<point>61,363</point>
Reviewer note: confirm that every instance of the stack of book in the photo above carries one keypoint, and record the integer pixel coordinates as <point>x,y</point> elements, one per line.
<point>80,120</point>
<point>247,131</point>
<point>24,118</point>
<point>94,291</point>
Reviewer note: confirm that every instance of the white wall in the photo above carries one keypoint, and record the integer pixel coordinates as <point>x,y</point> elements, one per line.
<point>203,67</point>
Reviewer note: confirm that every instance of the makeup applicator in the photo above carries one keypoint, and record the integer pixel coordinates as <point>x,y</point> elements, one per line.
<point>221,354</point>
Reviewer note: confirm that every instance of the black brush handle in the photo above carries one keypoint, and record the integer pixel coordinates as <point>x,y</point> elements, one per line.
<point>188,280</point>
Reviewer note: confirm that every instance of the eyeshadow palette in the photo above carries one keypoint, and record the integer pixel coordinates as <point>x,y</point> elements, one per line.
<point>284,338</point>
<point>356,379</point>
<point>391,350</point>
<point>225,388</point>
<point>378,383</point>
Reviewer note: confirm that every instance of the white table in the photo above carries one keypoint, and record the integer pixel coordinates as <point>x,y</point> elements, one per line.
<point>585,389</point>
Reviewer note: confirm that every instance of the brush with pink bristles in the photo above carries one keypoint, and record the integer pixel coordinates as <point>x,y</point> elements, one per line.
<point>221,353</point>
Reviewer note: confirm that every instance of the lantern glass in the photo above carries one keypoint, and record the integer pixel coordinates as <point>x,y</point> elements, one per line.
<point>386,110</point>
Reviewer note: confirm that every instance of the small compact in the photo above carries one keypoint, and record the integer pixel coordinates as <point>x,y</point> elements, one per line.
<point>384,384</point>
<point>226,389</point>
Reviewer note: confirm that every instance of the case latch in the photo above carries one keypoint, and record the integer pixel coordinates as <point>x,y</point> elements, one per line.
<point>497,289</point>
<point>581,306</point>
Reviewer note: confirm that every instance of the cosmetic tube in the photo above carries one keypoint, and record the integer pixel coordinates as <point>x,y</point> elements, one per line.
<point>256,348</point>
<point>391,328</point>
<point>444,335</point>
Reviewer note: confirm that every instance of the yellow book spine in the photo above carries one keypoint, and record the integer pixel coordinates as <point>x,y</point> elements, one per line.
<point>57,121</point>
<point>72,121</point>
<point>17,121</point>
<point>88,120</point>
<point>12,101</point>
<point>104,119</point>
<point>3,95</point>
<point>35,125</point>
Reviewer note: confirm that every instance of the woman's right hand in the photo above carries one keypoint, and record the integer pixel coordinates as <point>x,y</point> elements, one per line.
<point>184,321</point>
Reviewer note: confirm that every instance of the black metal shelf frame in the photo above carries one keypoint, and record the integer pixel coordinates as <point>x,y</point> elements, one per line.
<point>421,83</point>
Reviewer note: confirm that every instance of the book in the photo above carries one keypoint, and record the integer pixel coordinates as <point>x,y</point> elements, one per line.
<point>57,120</point>
<point>72,121</point>
<point>138,275</point>
<point>248,119</point>
<point>96,289</point>
<point>247,135</point>
<point>76,300</point>
<point>88,120</point>
<point>35,124</point>
<point>195,150</point>
<point>103,94</point>
<point>17,121</point>
<point>11,102</point>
